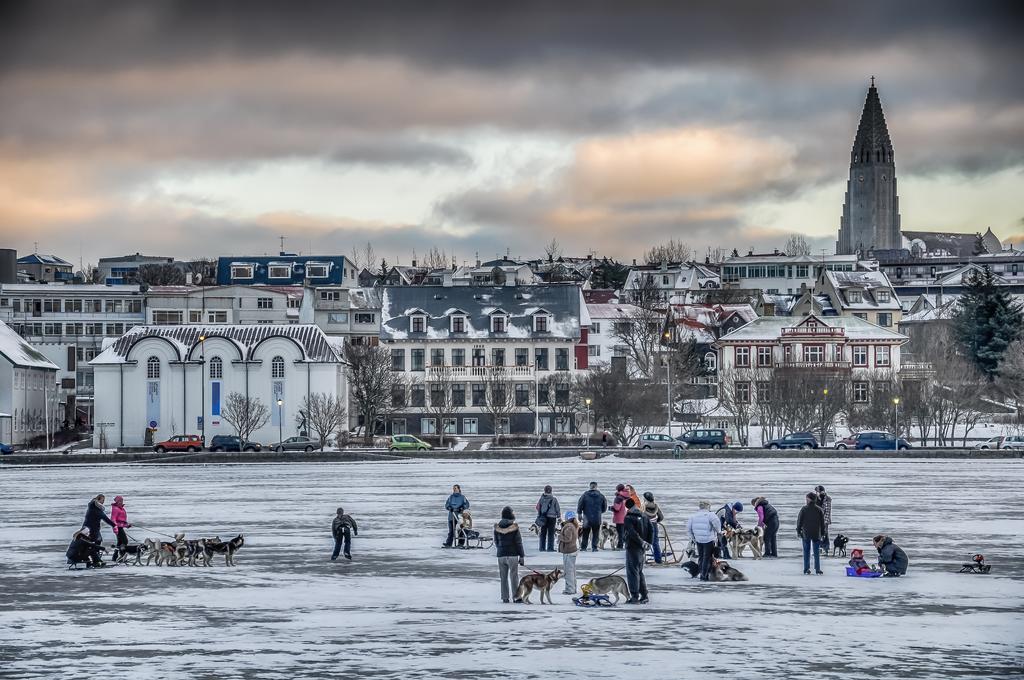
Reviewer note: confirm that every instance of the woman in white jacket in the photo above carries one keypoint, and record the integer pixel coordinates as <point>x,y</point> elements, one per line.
<point>704,529</point>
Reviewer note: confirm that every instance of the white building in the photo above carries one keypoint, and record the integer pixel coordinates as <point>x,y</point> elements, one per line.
<point>866,295</point>
<point>669,281</point>
<point>781,273</point>
<point>176,379</point>
<point>602,342</point>
<point>72,317</point>
<point>530,335</point>
<point>350,313</point>
<point>229,305</point>
<point>28,391</point>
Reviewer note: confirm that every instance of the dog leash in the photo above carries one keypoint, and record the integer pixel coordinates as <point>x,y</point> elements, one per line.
<point>154,532</point>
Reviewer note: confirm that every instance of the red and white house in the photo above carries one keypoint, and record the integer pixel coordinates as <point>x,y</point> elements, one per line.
<point>847,344</point>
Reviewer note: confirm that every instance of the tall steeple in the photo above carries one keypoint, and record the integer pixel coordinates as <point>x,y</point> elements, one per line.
<point>871,219</point>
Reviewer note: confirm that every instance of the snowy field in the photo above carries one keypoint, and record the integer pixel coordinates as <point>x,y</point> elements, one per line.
<point>407,609</point>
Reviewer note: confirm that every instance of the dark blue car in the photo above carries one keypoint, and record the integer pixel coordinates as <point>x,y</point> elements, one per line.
<point>874,441</point>
<point>6,448</point>
<point>794,440</point>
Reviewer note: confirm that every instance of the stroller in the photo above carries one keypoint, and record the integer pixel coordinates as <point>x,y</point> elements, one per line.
<point>976,566</point>
<point>84,550</point>
<point>466,537</point>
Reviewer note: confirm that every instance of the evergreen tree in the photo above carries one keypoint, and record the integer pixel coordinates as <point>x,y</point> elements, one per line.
<point>987,322</point>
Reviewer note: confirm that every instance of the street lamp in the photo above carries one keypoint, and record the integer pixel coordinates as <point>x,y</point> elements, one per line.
<point>668,385</point>
<point>824,423</point>
<point>591,431</point>
<point>896,403</point>
<point>280,420</point>
<point>202,387</point>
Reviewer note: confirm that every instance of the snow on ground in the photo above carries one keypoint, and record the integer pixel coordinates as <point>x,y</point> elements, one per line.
<point>407,609</point>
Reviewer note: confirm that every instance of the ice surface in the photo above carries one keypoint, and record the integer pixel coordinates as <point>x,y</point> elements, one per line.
<point>407,609</point>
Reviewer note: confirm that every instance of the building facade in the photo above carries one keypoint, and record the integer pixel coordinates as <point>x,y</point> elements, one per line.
<point>46,268</point>
<point>502,357</point>
<point>871,211</point>
<point>349,313</point>
<point>781,274</point>
<point>667,282</point>
<point>231,305</point>
<point>286,270</point>
<point>178,379</point>
<point>867,295</point>
<point>29,392</point>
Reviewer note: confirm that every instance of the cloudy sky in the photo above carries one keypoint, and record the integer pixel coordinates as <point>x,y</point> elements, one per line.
<point>201,128</point>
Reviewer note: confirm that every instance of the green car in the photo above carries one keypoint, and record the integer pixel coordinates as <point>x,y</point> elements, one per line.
<point>406,442</point>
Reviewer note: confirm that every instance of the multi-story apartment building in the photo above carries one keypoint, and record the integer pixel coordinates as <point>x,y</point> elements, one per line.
<point>29,392</point>
<point>501,357</point>
<point>46,268</point>
<point>604,337</point>
<point>781,273</point>
<point>665,282</point>
<point>913,276</point>
<point>866,295</point>
<point>72,318</point>
<point>350,313</point>
<point>124,269</point>
<point>232,305</point>
<point>286,270</point>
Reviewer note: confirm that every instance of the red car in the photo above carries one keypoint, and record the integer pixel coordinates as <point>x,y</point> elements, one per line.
<point>180,442</point>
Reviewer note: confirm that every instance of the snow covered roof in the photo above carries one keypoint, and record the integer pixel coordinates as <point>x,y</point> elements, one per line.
<point>561,301</point>
<point>23,355</point>
<point>69,288</point>
<point>611,310</point>
<point>850,327</point>
<point>39,258</point>
<point>310,339</point>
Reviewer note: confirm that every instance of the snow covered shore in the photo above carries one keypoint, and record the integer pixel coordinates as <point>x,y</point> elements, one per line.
<point>407,609</point>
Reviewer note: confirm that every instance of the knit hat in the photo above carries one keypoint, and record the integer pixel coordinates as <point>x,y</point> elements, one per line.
<point>704,505</point>
<point>569,515</point>
<point>118,500</point>
<point>630,503</point>
<point>737,506</point>
<point>648,496</point>
<point>593,485</point>
<point>857,552</point>
<point>506,513</point>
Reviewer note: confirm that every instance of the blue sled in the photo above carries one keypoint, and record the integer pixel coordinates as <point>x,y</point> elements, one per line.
<point>850,571</point>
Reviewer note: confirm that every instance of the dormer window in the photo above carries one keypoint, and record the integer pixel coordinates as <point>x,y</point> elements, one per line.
<point>883,296</point>
<point>499,321</point>
<point>540,323</point>
<point>418,323</point>
<point>855,296</point>
<point>458,323</point>
<point>317,270</point>
<point>242,271</point>
<point>279,271</point>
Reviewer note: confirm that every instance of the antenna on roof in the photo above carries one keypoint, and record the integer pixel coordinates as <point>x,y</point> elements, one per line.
<point>872,81</point>
<point>282,244</point>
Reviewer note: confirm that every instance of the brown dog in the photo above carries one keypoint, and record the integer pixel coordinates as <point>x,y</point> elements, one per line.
<point>542,582</point>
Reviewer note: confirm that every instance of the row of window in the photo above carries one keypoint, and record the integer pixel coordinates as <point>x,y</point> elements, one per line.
<point>562,425</point>
<point>72,305</point>
<point>478,357</point>
<point>860,391</point>
<point>357,317</point>
<point>314,270</point>
<point>416,395</point>
<point>811,354</point>
<point>857,296</point>
<point>72,329</point>
<point>457,323</point>
<point>216,368</point>
<point>28,420</point>
<point>29,380</point>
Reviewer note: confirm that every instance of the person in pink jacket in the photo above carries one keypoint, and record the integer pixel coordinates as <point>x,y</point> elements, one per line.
<point>120,518</point>
<point>619,514</point>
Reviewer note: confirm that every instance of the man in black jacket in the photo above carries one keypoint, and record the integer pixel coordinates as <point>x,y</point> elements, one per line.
<point>342,528</point>
<point>94,514</point>
<point>638,533</point>
<point>591,506</point>
<point>509,544</point>
<point>810,527</point>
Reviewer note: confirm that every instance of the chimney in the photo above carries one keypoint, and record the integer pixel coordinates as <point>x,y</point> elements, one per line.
<point>634,261</point>
<point>414,263</point>
<point>775,251</point>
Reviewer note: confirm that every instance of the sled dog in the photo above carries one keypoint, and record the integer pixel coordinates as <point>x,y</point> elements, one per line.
<point>608,585</point>
<point>721,571</point>
<point>740,539</point>
<point>541,582</point>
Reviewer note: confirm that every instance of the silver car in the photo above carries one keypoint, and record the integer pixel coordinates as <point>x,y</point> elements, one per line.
<point>1001,442</point>
<point>659,441</point>
<point>296,444</point>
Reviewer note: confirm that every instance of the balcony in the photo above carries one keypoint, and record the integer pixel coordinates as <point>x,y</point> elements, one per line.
<point>820,365</point>
<point>813,332</point>
<point>481,372</point>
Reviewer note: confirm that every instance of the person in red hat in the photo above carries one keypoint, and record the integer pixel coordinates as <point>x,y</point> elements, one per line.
<point>119,516</point>
<point>857,561</point>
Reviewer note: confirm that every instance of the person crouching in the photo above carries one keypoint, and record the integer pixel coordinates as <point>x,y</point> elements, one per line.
<point>343,528</point>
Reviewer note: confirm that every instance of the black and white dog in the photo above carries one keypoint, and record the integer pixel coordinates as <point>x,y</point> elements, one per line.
<point>123,553</point>
<point>216,546</point>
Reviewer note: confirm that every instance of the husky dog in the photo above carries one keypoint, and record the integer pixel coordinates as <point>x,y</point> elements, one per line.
<point>692,567</point>
<point>839,545</point>
<point>163,551</point>
<point>608,536</point>
<point>196,553</point>
<point>721,571</point>
<point>123,552</point>
<point>535,528</point>
<point>607,585</point>
<point>743,538</point>
<point>226,548</point>
<point>542,582</point>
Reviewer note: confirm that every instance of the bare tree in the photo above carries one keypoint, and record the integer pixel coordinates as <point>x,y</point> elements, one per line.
<point>439,382</point>
<point>623,406</point>
<point>203,270</point>
<point>672,250</point>
<point>639,329</point>
<point>553,250</point>
<point>879,411</point>
<point>566,400</point>
<point>90,274</point>
<point>499,398</point>
<point>165,274</point>
<point>716,255</point>
<point>796,244</point>
<point>245,414</point>
<point>363,257</point>
<point>1010,381</point>
<point>435,259</point>
<point>736,388</point>
<point>371,383</point>
<point>325,415</point>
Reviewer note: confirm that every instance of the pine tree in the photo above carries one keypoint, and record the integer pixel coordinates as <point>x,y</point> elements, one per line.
<point>987,322</point>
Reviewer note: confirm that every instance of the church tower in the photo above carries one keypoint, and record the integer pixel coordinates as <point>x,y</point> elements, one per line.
<point>871,213</point>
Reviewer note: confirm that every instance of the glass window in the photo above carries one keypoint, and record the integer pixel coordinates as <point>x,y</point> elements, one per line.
<point>264,303</point>
<point>860,392</point>
<point>459,394</point>
<point>881,355</point>
<point>743,357</point>
<point>763,391</point>
<point>216,368</point>
<point>279,271</point>
<point>562,394</point>
<point>419,395</point>
<point>167,318</point>
<point>883,296</point>
<point>152,368</point>
<point>594,350</point>
<point>522,356</point>
<point>398,426</point>
<point>541,358</point>
<point>884,319</point>
<point>540,323</point>
<point>437,395</point>
<point>241,271</point>
<point>498,356</point>
<point>522,394</point>
<point>398,396</point>
<point>814,353</point>
<point>277,367</point>
<point>419,324</point>
<point>451,426</point>
<point>331,295</point>
<point>561,358</point>
<point>195,316</point>
<point>469,426</point>
<point>337,317</point>
<point>428,426</point>
<point>398,360</point>
<point>860,355</point>
<point>458,324</point>
<point>764,356</point>
<point>479,356</point>
<point>217,317</point>
<point>416,357</point>
<point>365,317</point>
<point>479,394</point>
<point>855,296</point>
<point>458,357</point>
<point>316,270</point>
<point>437,356</point>
<point>743,392</point>
<point>498,323</point>
<point>543,395</point>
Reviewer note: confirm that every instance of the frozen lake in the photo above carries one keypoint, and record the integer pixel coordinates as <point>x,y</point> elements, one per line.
<point>407,609</point>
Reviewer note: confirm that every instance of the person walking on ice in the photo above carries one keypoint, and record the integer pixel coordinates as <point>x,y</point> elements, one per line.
<point>94,514</point>
<point>343,528</point>
<point>591,506</point>
<point>548,512</point>
<point>639,534</point>
<point>568,545</point>
<point>455,505</point>
<point>810,527</point>
<point>120,518</point>
<point>509,544</point>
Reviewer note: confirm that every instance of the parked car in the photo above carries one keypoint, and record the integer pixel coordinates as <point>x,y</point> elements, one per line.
<point>230,442</point>
<point>794,440</point>
<point>407,442</point>
<point>6,448</point>
<point>873,440</point>
<point>1002,442</point>
<point>295,444</point>
<point>715,439</point>
<point>180,442</point>
<point>659,441</point>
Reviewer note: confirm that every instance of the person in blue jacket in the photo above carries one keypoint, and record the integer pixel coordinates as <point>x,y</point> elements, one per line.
<point>591,506</point>
<point>455,505</point>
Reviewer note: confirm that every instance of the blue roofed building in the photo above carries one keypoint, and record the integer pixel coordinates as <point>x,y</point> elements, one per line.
<point>46,268</point>
<point>283,270</point>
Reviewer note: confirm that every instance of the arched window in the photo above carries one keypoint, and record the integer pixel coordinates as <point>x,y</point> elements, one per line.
<point>710,361</point>
<point>277,367</point>
<point>152,368</point>
<point>216,368</point>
